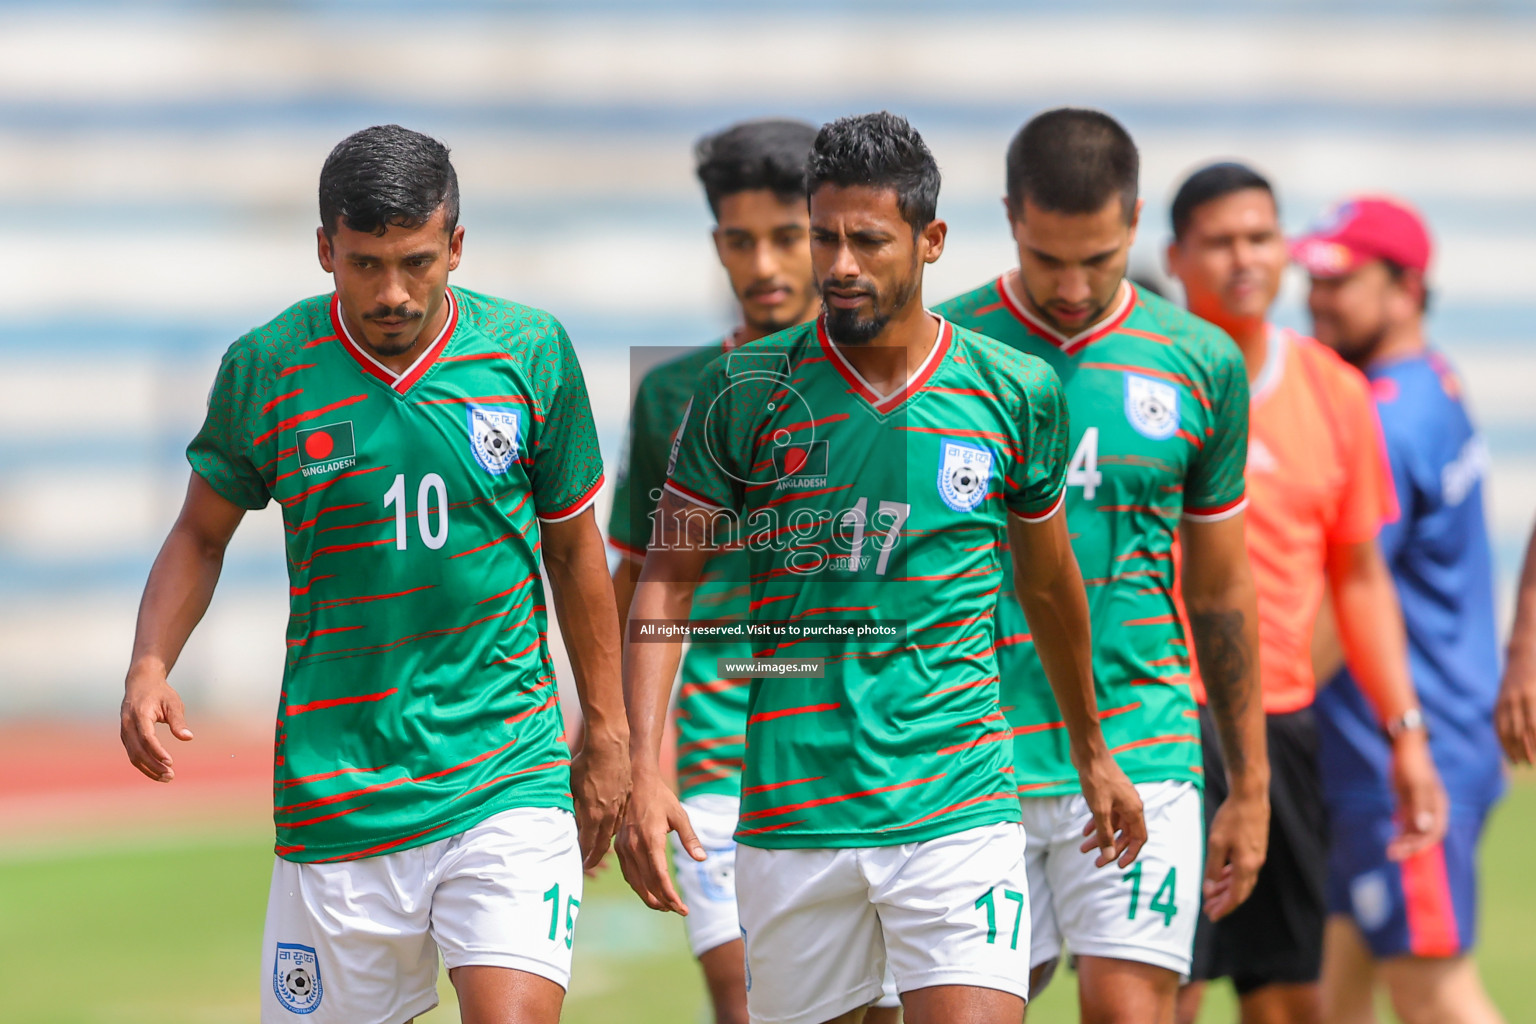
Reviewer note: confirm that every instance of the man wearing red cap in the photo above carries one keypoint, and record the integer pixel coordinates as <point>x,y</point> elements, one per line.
<point>1319,492</point>
<point>1408,922</point>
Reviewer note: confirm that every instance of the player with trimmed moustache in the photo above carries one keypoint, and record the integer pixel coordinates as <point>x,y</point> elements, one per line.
<point>753,176</point>
<point>432,450</point>
<point>877,461</point>
<point>1408,923</point>
<point>1159,408</point>
<point>1320,492</point>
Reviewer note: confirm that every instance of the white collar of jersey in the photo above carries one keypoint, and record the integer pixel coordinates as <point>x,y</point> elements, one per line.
<point>886,402</point>
<point>399,381</point>
<point>1017,305</point>
<point>1274,364</point>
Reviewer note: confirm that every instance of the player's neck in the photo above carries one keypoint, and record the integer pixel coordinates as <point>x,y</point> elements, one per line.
<point>1252,337</point>
<point>1016,288</point>
<point>748,332</point>
<point>914,329</point>
<point>397,363</point>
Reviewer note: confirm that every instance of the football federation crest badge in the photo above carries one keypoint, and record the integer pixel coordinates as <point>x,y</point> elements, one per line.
<point>296,977</point>
<point>494,436</point>
<point>1152,406</point>
<point>964,472</point>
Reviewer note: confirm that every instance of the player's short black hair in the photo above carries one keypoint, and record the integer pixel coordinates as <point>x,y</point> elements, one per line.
<point>1209,183</point>
<point>768,154</point>
<point>879,151</point>
<point>387,176</point>
<point>1072,160</point>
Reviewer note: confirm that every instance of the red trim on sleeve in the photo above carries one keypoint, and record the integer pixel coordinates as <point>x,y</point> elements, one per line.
<point>1220,512</point>
<point>1040,517</point>
<point>634,554</point>
<point>683,492</point>
<point>580,505</point>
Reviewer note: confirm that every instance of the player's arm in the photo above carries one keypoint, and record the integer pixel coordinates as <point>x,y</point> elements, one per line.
<point>583,596</point>
<point>1327,650</point>
<point>1222,603</point>
<point>1515,714</point>
<point>180,586</point>
<point>626,575</point>
<point>680,547</point>
<point>1370,625</point>
<point>1050,590</point>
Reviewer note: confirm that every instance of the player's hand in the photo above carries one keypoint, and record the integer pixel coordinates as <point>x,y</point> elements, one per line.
<point>147,701</point>
<point>1422,808</point>
<point>1119,828</point>
<point>599,788</point>
<point>1515,714</point>
<point>653,812</point>
<point>1235,852</point>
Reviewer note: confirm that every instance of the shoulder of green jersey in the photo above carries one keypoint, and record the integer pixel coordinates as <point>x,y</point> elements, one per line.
<point>263,353</point>
<point>1179,325</point>
<point>967,306</point>
<point>510,325</point>
<point>1023,365</point>
<point>681,370</point>
<point>304,324</point>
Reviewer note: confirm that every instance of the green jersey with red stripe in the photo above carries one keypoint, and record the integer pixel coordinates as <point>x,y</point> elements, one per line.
<point>886,512</point>
<point>418,693</point>
<point>1159,403</point>
<point>711,711</point>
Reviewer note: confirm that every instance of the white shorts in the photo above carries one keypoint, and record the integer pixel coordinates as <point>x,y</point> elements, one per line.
<point>709,888</point>
<point>1147,913</point>
<point>356,942</point>
<point>822,925</point>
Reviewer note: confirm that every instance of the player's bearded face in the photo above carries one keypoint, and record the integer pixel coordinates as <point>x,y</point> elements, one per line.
<point>869,266</point>
<point>1071,265</point>
<point>875,304</point>
<point>391,285</point>
<point>1353,313</point>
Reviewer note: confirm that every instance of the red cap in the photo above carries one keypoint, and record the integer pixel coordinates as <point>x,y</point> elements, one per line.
<point>1360,230</point>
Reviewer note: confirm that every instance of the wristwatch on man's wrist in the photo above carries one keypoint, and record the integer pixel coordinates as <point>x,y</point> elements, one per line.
<point>1411,720</point>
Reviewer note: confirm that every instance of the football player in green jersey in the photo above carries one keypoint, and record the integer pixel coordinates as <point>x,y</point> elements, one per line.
<point>1159,412</point>
<point>429,447</point>
<point>754,179</point>
<point>876,463</point>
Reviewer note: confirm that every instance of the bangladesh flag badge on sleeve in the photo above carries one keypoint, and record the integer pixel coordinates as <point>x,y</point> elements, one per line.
<point>326,448</point>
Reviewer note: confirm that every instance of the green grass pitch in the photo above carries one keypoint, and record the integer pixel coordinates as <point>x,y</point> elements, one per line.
<point>170,932</point>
